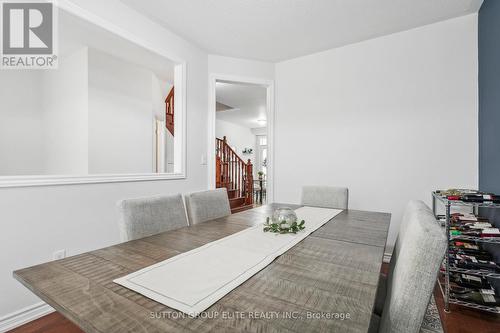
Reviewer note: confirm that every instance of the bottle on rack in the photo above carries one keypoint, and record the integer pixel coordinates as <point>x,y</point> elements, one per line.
<point>468,219</point>
<point>488,232</point>
<point>484,297</point>
<point>471,262</point>
<point>455,288</point>
<point>472,233</point>
<point>470,281</point>
<point>454,191</point>
<point>478,254</point>
<point>466,246</point>
<point>475,198</point>
<point>495,283</point>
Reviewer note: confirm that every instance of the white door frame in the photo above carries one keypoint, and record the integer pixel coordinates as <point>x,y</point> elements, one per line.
<point>269,85</point>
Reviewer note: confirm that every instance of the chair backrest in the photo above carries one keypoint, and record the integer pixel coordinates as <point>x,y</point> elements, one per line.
<point>325,196</point>
<point>207,205</point>
<point>144,217</point>
<point>412,208</point>
<point>415,272</point>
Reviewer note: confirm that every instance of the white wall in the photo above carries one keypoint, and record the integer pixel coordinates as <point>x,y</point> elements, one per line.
<point>391,118</point>
<point>37,221</point>
<point>241,67</point>
<point>259,131</point>
<point>65,115</point>
<point>121,119</point>
<point>160,90</point>
<point>21,135</point>
<point>238,138</point>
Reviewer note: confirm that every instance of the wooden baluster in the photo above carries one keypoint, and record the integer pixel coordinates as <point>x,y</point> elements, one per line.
<point>226,166</point>
<point>233,169</point>
<point>243,183</point>
<point>224,142</point>
<point>231,177</point>
<point>230,174</point>
<point>226,173</point>
<point>228,160</point>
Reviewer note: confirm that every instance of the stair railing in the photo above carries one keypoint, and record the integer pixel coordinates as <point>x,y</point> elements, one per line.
<point>169,111</point>
<point>233,172</point>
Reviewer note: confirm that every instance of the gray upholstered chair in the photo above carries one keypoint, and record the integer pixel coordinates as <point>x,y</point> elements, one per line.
<point>207,205</point>
<point>325,196</point>
<point>414,274</point>
<point>412,207</point>
<point>144,217</point>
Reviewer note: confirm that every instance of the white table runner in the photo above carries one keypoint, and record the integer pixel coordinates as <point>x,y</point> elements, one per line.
<point>192,281</point>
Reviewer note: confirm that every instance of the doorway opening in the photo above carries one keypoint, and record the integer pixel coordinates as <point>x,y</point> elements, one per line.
<point>241,129</point>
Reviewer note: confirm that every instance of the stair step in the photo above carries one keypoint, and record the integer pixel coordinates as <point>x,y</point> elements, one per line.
<point>231,193</point>
<point>236,202</point>
<point>241,208</point>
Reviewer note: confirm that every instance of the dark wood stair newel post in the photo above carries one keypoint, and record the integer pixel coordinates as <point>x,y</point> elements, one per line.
<point>218,172</point>
<point>249,187</point>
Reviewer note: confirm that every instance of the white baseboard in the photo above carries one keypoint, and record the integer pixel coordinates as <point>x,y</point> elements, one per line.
<point>23,316</point>
<point>387,257</point>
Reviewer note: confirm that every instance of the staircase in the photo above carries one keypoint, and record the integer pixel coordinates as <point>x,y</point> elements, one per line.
<point>235,175</point>
<point>169,111</point>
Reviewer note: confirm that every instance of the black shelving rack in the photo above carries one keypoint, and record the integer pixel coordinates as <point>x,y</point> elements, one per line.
<point>444,281</point>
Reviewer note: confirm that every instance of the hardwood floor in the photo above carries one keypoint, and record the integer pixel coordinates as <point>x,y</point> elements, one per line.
<point>459,320</point>
<point>52,323</point>
<point>463,320</point>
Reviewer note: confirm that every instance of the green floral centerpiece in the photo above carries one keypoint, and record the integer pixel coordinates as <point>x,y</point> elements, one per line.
<point>284,221</point>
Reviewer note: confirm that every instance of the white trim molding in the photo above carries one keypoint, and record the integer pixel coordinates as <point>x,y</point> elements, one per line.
<point>23,316</point>
<point>269,85</point>
<point>180,82</point>
<point>29,181</point>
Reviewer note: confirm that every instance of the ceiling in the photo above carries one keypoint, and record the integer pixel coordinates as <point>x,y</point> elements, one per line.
<point>247,104</point>
<point>276,30</point>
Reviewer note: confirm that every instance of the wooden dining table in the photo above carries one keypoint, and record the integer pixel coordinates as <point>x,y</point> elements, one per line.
<point>326,283</point>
